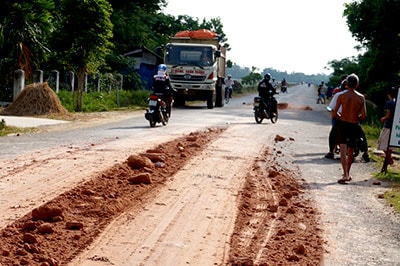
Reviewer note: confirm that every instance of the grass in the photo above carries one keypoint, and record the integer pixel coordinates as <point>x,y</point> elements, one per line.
<point>392,174</point>
<point>8,130</point>
<point>393,198</point>
<point>105,101</point>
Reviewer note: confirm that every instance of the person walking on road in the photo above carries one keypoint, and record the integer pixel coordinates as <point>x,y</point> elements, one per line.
<point>321,93</point>
<point>353,111</point>
<point>229,86</point>
<point>362,140</point>
<point>387,121</point>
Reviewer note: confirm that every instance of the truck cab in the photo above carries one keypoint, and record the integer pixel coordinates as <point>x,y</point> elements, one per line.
<point>196,68</point>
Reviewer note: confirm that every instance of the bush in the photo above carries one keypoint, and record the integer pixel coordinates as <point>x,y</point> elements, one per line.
<point>104,101</point>
<point>2,124</point>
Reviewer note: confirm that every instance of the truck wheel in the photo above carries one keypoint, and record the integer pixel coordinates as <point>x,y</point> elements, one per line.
<point>179,101</point>
<point>220,96</point>
<point>210,100</point>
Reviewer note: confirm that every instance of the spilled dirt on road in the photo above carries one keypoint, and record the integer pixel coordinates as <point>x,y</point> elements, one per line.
<point>276,224</point>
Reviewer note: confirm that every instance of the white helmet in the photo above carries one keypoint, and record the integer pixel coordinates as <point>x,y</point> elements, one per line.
<point>162,67</point>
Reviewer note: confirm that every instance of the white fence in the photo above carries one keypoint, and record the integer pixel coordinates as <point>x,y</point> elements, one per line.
<point>99,82</point>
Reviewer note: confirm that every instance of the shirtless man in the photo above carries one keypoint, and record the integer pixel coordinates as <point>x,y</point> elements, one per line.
<point>353,110</point>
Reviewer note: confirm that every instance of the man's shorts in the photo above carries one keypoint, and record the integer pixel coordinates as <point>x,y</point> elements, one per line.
<point>347,133</point>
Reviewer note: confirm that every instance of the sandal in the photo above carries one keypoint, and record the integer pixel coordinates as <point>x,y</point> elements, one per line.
<point>344,181</point>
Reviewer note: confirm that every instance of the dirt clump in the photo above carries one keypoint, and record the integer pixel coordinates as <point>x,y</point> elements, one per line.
<point>54,233</point>
<point>35,100</point>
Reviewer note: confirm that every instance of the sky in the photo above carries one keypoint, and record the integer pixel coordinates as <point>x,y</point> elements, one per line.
<point>286,35</point>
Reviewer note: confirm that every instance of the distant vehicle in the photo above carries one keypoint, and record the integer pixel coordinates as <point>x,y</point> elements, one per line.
<point>196,67</point>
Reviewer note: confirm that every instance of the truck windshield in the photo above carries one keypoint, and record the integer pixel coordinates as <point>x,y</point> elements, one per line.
<point>189,55</point>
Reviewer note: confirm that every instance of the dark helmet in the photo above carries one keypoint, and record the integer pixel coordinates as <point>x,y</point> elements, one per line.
<point>267,76</point>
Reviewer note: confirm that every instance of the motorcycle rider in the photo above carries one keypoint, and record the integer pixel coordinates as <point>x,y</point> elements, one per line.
<point>229,86</point>
<point>284,85</point>
<point>266,91</point>
<point>162,87</point>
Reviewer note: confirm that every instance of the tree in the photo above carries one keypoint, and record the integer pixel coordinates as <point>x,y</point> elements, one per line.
<point>216,25</point>
<point>374,23</point>
<point>253,77</point>
<point>136,24</point>
<point>24,31</point>
<point>83,37</point>
<point>342,68</point>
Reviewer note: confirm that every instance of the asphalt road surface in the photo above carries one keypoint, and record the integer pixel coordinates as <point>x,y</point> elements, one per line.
<point>359,228</point>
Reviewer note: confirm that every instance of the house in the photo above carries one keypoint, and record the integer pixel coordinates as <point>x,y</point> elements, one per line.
<point>146,64</point>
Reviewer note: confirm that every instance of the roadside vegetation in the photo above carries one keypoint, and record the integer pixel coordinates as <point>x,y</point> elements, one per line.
<point>372,130</point>
<point>8,130</point>
<point>105,101</point>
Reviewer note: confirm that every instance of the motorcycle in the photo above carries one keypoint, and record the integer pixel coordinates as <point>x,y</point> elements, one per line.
<point>264,110</point>
<point>284,89</point>
<point>159,111</point>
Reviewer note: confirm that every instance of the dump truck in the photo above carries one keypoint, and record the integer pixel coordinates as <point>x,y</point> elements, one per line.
<point>196,67</point>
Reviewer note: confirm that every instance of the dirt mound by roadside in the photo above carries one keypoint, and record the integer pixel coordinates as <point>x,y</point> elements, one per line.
<point>35,99</point>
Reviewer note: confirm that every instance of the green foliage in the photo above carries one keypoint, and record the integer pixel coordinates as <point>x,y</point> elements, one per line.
<point>374,23</point>
<point>372,132</point>
<point>342,68</point>
<point>25,27</point>
<point>83,35</point>
<point>393,197</point>
<point>373,113</point>
<point>105,101</point>
<point>7,130</point>
<point>2,124</point>
<point>252,78</point>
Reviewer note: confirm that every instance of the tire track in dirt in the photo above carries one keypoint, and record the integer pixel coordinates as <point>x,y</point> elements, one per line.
<point>275,224</point>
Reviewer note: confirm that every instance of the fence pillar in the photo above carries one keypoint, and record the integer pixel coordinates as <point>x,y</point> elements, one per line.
<point>19,82</point>
<point>86,82</point>
<point>98,82</point>
<point>55,80</point>
<point>121,81</point>
<point>38,76</point>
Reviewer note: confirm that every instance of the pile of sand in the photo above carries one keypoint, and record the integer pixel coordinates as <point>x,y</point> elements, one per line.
<point>35,99</point>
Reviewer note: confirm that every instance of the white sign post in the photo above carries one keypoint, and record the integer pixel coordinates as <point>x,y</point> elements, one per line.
<point>394,140</point>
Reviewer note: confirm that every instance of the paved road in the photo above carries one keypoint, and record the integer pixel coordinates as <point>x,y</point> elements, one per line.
<point>359,228</point>
<point>23,121</point>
